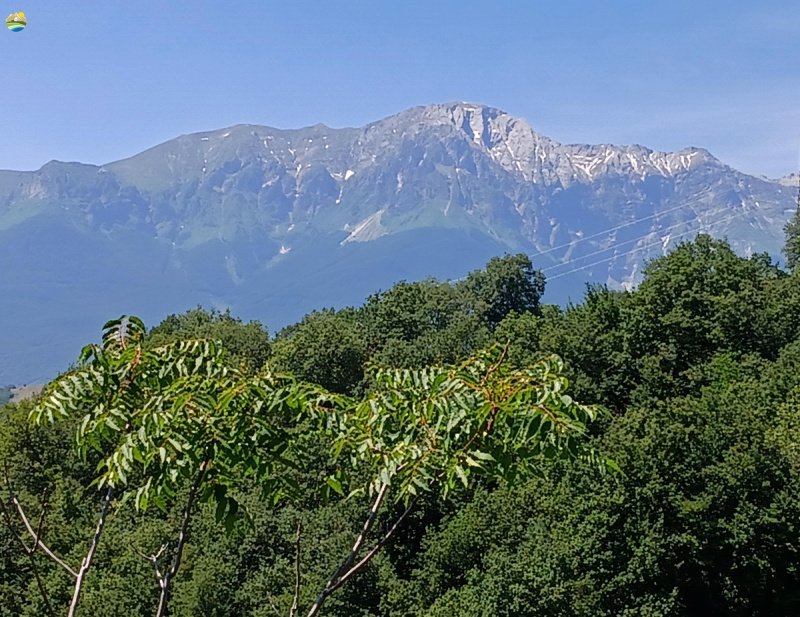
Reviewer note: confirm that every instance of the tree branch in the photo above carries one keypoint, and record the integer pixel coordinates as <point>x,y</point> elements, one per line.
<point>381,543</point>
<point>153,559</point>
<point>38,542</point>
<point>40,526</point>
<point>183,535</point>
<point>29,551</point>
<point>296,600</point>
<point>41,586</point>
<point>494,367</point>
<point>272,606</point>
<point>87,561</point>
<point>12,529</point>
<point>39,530</point>
<point>351,557</point>
<point>34,534</point>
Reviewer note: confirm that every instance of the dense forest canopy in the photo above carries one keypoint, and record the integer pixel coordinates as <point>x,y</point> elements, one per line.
<point>698,369</point>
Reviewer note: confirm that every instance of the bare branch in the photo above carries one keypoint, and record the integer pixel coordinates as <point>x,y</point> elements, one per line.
<point>351,557</point>
<point>40,526</point>
<point>165,581</point>
<point>272,605</point>
<point>39,583</point>
<point>12,529</point>
<point>296,600</point>
<point>380,544</point>
<point>37,540</point>
<point>500,360</point>
<point>29,552</point>
<point>87,560</point>
<point>153,559</point>
<point>183,536</point>
<point>34,534</point>
<point>41,586</point>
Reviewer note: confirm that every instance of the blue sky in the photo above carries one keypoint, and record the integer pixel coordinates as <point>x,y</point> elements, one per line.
<point>99,80</point>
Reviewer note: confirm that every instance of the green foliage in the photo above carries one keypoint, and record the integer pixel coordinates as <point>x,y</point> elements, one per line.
<point>592,339</point>
<point>700,365</point>
<point>178,414</point>
<point>6,392</point>
<point>410,310</point>
<point>246,344</point>
<point>161,415</point>
<point>792,244</point>
<point>696,301</point>
<point>702,522</point>
<point>419,324</point>
<point>435,428</point>
<point>782,313</point>
<point>507,284</point>
<point>325,348</point>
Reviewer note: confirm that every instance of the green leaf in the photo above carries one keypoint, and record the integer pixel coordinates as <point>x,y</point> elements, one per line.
<point>484,456</point>
<point>335,485</point>
<point>175,444</point>
<point>612,465</point>
<point>471,461</point>
<point>219,512</point>
<point>462,475</point>
<point>230,519</point>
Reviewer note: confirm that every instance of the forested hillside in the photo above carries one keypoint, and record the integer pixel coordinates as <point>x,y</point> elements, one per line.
<point>692,383</point>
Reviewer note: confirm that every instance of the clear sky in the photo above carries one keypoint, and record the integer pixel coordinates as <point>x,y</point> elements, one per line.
<point>99,80</point>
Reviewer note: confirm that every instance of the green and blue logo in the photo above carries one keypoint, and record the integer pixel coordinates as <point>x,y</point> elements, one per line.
<point>16,22</point>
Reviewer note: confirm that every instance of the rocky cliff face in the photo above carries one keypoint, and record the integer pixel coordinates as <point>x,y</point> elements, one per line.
<point>276,222</point>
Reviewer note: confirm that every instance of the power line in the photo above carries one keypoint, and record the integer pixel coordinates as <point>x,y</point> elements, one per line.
<point>618,244</point>
<point>641,248</point>
<point>610,229</point>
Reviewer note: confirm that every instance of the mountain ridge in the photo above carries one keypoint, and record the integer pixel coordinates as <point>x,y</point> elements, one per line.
<point>232,216</point>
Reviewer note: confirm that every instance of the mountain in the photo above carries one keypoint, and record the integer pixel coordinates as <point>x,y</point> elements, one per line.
<point>273,223</point>
<point>792,180</point>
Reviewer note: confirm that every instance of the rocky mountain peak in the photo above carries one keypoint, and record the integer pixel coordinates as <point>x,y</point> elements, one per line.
<point>512,143</point>
<point>509,141</point>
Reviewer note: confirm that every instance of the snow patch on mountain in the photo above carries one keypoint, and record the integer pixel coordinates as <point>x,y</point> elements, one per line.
<point>368,229</point>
